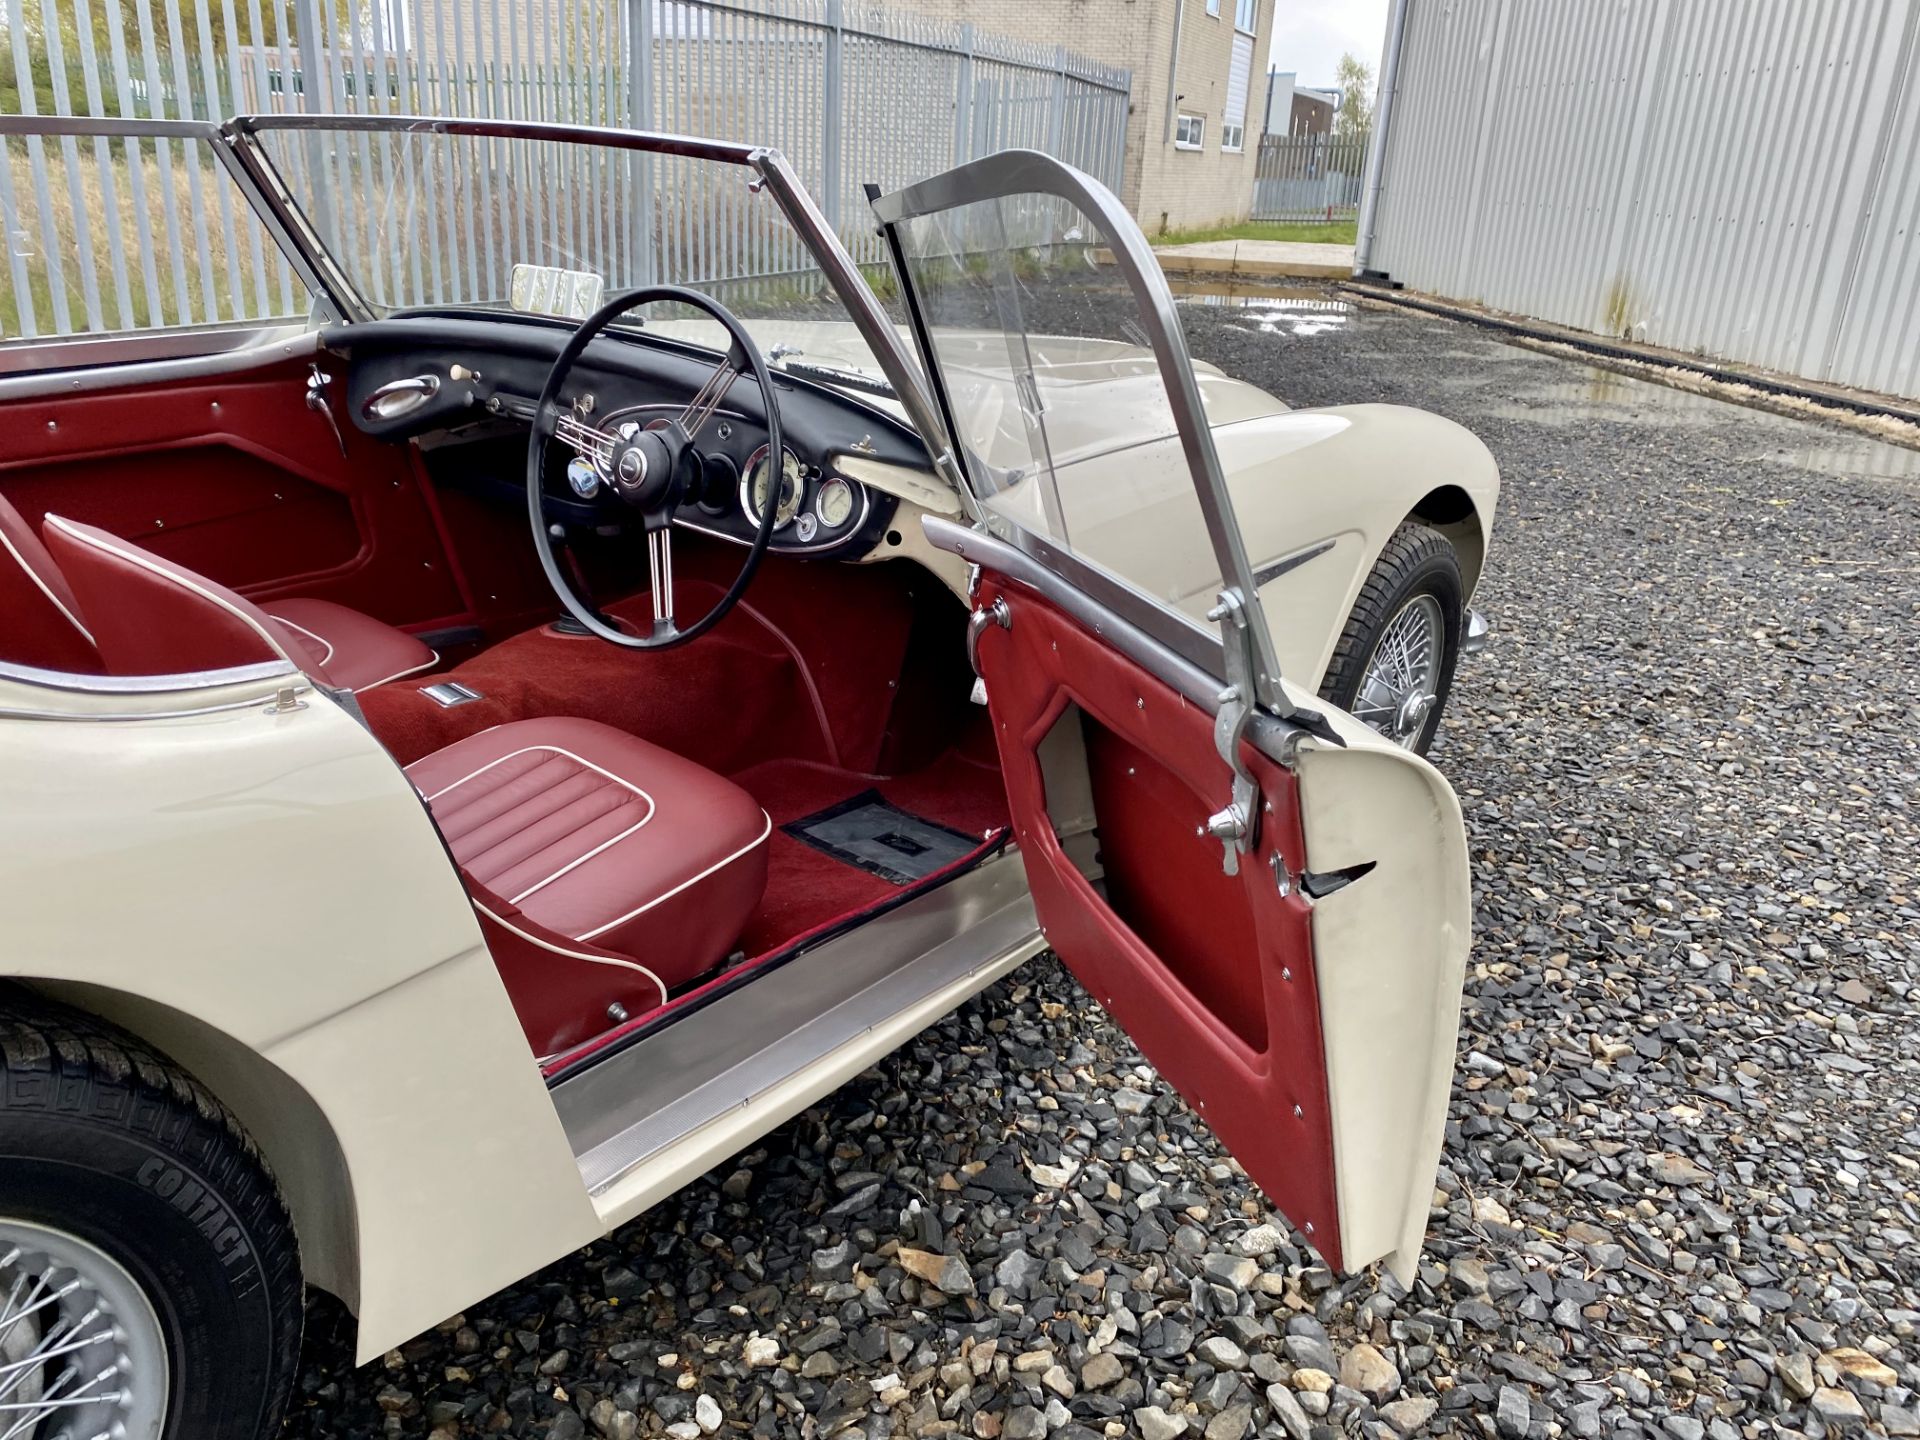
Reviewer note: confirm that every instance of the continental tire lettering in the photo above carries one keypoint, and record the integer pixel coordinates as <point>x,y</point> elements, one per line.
<point>202,1209</point>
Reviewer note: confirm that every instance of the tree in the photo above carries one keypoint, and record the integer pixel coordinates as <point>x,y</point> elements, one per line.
<point>1354,119</point>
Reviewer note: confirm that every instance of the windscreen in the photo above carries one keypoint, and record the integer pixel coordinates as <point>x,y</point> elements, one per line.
<point>112,234</point>
<point>423,218</point>
<point>1055,391</point>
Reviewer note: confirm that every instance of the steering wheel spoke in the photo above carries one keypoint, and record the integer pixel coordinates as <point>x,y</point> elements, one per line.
<point>586,438</point>
<point>660,578</point>
<point>700,409</point>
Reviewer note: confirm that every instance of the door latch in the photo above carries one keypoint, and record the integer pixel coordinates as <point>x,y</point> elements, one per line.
<point>317,380</point>
<point>1235,824</point>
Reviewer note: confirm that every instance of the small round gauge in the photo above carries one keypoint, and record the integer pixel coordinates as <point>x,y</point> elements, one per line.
<point>834,503</point>
<point>756,488</point>
<point>719,478</point>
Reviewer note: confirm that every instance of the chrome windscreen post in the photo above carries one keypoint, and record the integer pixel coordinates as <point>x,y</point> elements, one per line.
<point>1234,825</point>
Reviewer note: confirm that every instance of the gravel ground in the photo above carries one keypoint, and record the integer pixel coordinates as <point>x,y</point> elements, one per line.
<point>1678,1197</point>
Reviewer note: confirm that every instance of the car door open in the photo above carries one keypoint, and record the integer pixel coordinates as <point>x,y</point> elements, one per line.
<point>1271,902</point>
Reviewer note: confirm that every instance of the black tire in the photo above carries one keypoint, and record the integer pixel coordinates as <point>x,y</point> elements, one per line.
<point>104,1139</point>
<point>1416,561</point>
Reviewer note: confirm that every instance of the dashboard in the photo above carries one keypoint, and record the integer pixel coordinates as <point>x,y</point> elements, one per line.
<point>457,379</point>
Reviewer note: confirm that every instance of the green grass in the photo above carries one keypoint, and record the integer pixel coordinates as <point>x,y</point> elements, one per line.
<point>1337,232</point>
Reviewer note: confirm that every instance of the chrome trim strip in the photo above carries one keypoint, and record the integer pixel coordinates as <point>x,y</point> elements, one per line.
<point>658,142</point>
<point>1273,737</point>
<point>1019,172</point>
<point>10,712</point>
<point>47,352</point>
<point>186,680</point>
<point>1274,569</point>
<point>640,1102</point>
<point>1175,629</point>
<point>119,361</point>
<point>62,696</point>
<point>84,125</point>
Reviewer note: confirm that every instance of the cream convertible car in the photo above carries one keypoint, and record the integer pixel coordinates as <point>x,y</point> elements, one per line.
<point>333,868</point>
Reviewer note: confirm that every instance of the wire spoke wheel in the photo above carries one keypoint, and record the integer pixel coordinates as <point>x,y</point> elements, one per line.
<point>82,1355</point>
<point>1400,684</point>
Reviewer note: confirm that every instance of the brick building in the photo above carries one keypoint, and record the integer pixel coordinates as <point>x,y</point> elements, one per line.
<point>1193,132</point>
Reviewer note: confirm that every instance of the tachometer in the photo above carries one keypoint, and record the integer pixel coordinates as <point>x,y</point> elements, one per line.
<point>834,503</point>
<point>756,488</point>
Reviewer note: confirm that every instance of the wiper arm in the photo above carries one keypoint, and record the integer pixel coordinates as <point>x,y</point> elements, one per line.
<point>837,375</point>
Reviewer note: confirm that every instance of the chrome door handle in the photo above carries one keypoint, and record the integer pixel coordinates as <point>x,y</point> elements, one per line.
<point>400,397</point>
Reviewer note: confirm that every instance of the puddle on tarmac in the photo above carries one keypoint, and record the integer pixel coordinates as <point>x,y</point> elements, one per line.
<point>1273,310</point>
<point>1597,394</point>
<point>1602,395</point>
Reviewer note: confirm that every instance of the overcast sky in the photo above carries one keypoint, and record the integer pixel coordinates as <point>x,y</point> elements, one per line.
<point>1309,36</point>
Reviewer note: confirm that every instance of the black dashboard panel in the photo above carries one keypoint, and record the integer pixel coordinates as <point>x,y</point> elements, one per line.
<point>458,378</point>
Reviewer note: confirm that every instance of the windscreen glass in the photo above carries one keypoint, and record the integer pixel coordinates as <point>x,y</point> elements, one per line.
<point>424,219</point>
<point>108,234</point>
<point>1053,386</point>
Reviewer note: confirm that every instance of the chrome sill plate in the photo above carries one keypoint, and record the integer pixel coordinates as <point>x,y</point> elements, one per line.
<point>640,1106</point>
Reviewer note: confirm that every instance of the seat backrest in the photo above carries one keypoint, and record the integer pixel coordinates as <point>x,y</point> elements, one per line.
<point>41,621</point>
<point>149,616</point>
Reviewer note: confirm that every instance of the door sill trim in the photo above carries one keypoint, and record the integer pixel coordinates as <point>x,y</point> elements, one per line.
<point>667,1108</point>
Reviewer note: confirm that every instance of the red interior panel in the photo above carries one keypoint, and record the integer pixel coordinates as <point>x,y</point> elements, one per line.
<point>1211,975</point>
<point>808,666</point>
<point>238,480</point>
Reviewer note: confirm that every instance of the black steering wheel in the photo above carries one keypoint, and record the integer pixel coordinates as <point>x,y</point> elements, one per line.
<point>653,471</point>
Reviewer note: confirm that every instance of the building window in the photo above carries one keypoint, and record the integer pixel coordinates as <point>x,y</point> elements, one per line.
<point>1213,8</point>
<point>1232,136</point>
<point>1189,132</point>
<point>1246,15</point>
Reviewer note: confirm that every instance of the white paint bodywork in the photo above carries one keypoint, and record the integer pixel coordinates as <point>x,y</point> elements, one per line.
<point>1342,477</point>
<point>259,892</point>
<point>263,897</point>
<point>1390,956</point>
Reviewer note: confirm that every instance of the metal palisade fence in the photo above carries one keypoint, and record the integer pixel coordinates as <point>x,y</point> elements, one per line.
<point>1303,178</point>
<point>109,235</point>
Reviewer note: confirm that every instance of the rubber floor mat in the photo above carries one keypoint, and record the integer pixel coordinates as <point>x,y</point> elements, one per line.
<point>882,839</point>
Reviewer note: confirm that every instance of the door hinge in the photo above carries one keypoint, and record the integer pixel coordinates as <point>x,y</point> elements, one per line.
<point>1235,824</point>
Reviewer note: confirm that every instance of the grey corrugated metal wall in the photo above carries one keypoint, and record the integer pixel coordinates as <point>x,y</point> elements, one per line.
<point>1738,178</point>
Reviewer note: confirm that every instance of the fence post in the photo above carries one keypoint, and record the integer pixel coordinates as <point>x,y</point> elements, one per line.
<point>833,96</point>
<point>313,76</point>
<point>963,98</point>
<point>640,246</point>
<point>1057,106</point>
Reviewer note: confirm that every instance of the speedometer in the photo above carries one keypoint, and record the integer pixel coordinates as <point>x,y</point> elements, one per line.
<point>756,487</point>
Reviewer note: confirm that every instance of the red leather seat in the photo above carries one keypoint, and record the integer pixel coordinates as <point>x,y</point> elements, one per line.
<point>87,600</point>
<point>40,622</point>
<point>356,650</point>
<point>597,841</point>
<point>606,871</point>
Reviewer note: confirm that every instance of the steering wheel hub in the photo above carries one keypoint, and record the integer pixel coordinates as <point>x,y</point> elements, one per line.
<point>643,471</point>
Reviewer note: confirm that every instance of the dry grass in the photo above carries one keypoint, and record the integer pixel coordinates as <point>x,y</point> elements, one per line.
<point>176,271</point>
